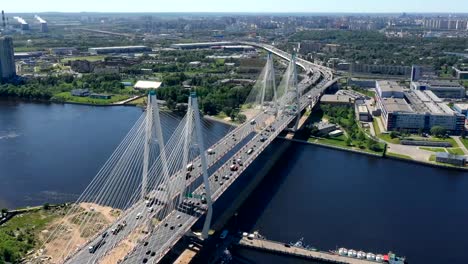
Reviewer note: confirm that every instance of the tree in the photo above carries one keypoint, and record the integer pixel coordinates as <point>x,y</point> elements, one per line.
<point>227,110</point>
<point>394,134</point>
<point>438,131</point>
<point>349,142</point>
<point>420,131</point>
<point>46,206</point>
<point>4,211</point>
<point>241,118</point>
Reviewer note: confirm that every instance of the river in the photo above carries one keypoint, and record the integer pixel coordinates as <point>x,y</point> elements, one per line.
<point>50,152</point>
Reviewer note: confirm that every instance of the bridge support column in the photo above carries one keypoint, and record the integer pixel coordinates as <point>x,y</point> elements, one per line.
<point>148,137</point>
<point>297,97</point>
<point>270,82</point>
<point>162,149</point>
<point>206,182</point>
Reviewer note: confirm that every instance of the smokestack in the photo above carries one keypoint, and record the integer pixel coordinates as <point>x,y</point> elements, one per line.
<point>3,19</point>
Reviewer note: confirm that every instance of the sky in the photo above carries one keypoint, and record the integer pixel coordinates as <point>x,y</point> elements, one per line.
<point>351,6</point>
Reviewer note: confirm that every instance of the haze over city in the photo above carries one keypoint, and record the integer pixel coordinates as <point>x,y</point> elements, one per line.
<point>262,6</point>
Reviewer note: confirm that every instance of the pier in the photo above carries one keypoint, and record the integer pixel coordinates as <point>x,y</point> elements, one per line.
<point>285,249</point>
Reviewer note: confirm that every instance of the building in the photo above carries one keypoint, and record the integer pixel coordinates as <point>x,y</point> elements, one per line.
<point>121,49</point>
<point>443,89</point>
<point>63,51</point>
<point>331,47</point>
<point>237,48</point>
<point>325,128</point>
<point>362,113</point>
<point>7,59</point>
<point>333,99</point>
<point>461,72</point>
<point>310,46</point>
<point>381,69</point>
<point>444,157</point>
<point>419,110</point>
<point>201,45</point>
<point>144,85</point>
<point>362,83</point>
<point>461,108</point>
<point>80,92</point>
<point>387,89</point>
<point>416,73</point>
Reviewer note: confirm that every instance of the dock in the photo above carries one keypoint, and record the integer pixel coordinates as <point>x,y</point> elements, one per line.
<point>280,248</point>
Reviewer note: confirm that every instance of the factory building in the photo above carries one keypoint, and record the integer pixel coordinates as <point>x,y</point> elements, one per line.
<point>461,108</point>
<point>122,49</point>
<point>461,72</point>
<point>43,24</point>
<point>386,89</point>
<point>22,23</point>
<point>418,110</point>
<point>7,59</point>
<point>443,89</point>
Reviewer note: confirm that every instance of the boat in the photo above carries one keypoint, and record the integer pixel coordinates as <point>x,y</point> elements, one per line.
<point>390,258</point>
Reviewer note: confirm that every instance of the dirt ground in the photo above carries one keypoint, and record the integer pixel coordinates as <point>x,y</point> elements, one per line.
<point>125,246</point>
<point>68,233</point>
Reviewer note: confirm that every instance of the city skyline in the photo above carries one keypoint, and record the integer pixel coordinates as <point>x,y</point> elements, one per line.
<point>261,6</point>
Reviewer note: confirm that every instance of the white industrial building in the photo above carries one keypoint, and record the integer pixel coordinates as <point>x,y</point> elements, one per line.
<point>416,110</point>
<point>443,89</point>
<point>387,89</point>
<point>145,85</point>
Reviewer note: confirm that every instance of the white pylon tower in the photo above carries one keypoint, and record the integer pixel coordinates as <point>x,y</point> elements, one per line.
<point>294,88</point>
<point>187,138</point>
<point>269,81</point>
<point>153,125</point>
<point>198,130</point>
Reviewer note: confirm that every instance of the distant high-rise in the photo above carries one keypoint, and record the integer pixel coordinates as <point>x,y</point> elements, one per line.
<point>3,20</point>
<point>7,59</point>
<point>416,72</point>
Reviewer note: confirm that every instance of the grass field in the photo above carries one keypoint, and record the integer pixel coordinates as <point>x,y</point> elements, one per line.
<point>465,142</point>
<point>335,141</point>
<point>433,149</point>
<point>456,151</point>
<point>67,97</point>
<point>398,155</point>
<point>384,137</point>
<point>20,234</point>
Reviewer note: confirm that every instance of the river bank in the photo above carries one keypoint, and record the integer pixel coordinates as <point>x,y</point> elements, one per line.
<point>385,154</point>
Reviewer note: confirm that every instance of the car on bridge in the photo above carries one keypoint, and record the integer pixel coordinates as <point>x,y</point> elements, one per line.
<point>92,249</point>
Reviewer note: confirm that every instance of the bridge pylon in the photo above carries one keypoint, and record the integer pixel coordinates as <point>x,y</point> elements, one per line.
<point>153,132</point>
<point>294,88</point>
<point>269,82</point>
<point>198,130</point>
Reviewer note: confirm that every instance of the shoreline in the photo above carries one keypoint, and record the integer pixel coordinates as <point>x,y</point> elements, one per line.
<point>384,155</point>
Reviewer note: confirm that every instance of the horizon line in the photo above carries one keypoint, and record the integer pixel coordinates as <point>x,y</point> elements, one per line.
<point>245,12</point>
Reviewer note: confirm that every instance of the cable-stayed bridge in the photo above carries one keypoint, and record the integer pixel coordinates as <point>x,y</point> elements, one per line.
<point>158,187</point>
